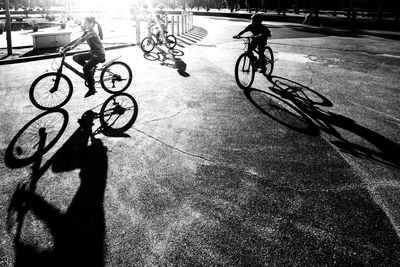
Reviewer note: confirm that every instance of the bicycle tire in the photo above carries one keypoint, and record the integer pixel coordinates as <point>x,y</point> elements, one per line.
<point>170,41</point>
<point>104,113</point>
<point>48,106</point>
<point>15,156</point>
<point>269,55</point>
<point>129,79</point>
<point>150,41</point>
<point>237,71</point>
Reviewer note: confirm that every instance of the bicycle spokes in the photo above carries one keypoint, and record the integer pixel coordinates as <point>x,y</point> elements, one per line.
<point>118,112</point>
<point>116,77</point>
<point>244,71</point>
<point>51,92</point>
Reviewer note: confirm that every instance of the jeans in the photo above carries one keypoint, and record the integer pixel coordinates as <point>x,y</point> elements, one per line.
<point>88,61</point>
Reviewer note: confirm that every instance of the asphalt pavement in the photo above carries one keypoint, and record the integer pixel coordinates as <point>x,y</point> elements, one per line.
<point>301,170</point>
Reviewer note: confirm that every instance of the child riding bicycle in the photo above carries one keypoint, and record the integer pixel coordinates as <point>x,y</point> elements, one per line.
<point>159,24</point>
<point>261,32</point>
<point>89,60</point>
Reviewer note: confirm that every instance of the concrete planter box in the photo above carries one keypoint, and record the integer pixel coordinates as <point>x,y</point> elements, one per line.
<point>51,39</point>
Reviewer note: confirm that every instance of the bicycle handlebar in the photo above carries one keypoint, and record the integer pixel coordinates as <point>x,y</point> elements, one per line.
<point>247,37</point>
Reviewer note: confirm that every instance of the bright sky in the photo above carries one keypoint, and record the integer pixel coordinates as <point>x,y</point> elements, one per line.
<point>104,4</point>
<point>121,8</point>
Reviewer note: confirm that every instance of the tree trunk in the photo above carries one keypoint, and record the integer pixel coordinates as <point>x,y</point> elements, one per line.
<point>279,7</point>
<point>316,8</point>
<point>296,7</point>
<point>8,27</point>
<point>349,10</point>
<point>380,10</point>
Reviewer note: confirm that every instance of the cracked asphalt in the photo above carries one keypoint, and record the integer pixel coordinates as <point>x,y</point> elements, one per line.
<point>301,170</point>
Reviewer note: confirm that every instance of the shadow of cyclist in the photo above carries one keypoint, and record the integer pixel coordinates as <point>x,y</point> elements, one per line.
<point>170,58</point>
<point>78,233</point>
<point>311,104</point>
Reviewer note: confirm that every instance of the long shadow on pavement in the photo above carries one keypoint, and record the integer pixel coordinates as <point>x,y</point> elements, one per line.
<point>170,58</point>
<point>77,234</point>
<point>310,103</point>
<point>304,206</point>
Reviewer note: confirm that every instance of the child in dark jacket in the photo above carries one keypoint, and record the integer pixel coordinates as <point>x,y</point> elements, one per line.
<point>261,34</point>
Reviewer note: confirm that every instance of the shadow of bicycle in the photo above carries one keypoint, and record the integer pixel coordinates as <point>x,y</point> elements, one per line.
<point>78,233</point>
<point>304,110</point>
<point>170,58</point>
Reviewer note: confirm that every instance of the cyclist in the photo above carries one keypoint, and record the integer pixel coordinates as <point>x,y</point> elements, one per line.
<point>161,28</point>
<point>262,33</point>
<point>96,55</point>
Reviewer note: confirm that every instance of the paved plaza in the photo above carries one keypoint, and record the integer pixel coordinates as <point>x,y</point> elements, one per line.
<point>300,170</point>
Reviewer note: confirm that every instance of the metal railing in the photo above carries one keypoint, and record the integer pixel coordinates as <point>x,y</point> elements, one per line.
<point>176,25</point>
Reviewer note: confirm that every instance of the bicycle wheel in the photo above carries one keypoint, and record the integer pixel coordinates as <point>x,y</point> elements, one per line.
<point>269,61</point>
<point>116,77</point>
<point>44,95</point>
<point>148,44</point>
<point>48,127</point>
<point>244,71</point>
<point>118,113</point>
<point>170,41</point>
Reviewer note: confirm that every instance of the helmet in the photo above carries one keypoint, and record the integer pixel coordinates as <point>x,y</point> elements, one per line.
<point>257,17</point>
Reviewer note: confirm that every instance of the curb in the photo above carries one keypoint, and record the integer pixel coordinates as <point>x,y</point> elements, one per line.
<point>54,55</point>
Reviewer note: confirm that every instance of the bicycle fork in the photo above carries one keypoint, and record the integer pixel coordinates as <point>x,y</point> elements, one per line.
<point>58,77</point>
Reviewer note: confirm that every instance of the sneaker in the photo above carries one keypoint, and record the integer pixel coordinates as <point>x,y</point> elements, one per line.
<point>90,92</point>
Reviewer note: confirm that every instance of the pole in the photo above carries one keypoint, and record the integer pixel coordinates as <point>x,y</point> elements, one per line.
<point>177,24</point>
<point>137,30</point>
<point>172,25</point>
<point>183,22</point>
<point>8,27</point>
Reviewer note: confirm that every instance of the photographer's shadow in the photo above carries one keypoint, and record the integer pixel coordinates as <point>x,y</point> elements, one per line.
<point>78,233</point>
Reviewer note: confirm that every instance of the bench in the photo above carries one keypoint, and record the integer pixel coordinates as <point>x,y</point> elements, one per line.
<point>51,39</point>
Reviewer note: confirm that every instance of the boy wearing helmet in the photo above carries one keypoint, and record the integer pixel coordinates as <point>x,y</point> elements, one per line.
<point>261,32</point>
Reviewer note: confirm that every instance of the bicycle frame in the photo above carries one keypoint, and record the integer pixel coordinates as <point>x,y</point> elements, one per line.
<point>246,46</point>
<point>63,63</point>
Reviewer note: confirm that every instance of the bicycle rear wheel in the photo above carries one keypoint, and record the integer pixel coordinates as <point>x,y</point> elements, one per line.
<point>116,77</point>
<point>147,44</point>
<point>269,61</point>
<point>118,113</point>
<point>44,95</point>
<point>244,71</point>
<point>170,41</point>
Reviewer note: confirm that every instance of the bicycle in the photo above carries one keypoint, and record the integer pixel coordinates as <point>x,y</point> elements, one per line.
<point>54,89</point>
<point>246,65</point>
<point>117,114</point>
<point>149,43</point>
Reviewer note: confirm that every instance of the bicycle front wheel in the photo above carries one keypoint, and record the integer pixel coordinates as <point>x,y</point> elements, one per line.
<point>269,61</point>
<point>244,71</point>
<point>148,44</point>
<point>116,77</point>
<point>46,129</point>
<point>170,41</point>
<point>118,113</point>
<point>46,94</point>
